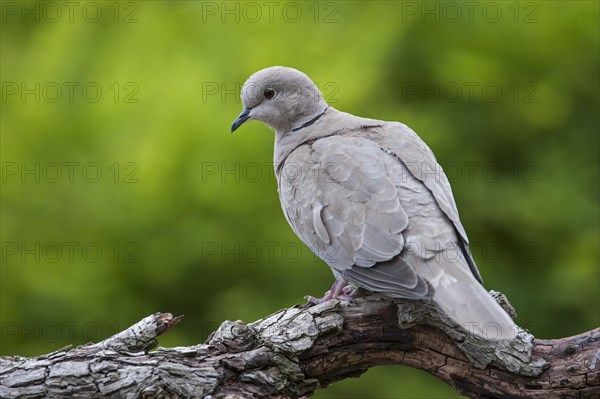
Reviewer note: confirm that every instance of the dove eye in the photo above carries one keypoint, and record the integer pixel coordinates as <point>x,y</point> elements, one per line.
<point>269,94</point>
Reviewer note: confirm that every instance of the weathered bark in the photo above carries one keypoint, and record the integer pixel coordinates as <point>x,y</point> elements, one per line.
<point>298,350</point>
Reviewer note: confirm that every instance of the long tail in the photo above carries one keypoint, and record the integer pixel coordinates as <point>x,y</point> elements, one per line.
<point>462,297</point>
<point>471,306</point>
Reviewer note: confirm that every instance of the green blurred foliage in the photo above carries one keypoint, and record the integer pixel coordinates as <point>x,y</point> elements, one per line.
<point>187,216</point>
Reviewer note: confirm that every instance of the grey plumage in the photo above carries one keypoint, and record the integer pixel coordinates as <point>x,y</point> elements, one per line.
<point>369,198</point>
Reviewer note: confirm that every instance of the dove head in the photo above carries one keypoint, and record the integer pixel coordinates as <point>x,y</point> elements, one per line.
<point>282,98</point>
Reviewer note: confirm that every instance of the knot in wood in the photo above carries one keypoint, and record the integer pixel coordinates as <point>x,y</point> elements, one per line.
<point>233,337</point>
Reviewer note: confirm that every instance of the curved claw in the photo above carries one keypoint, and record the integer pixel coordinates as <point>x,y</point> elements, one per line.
<point>339,291</point>
<point>349,290</point>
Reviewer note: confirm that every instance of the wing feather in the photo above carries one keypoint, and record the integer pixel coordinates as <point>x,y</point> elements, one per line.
<point>401,141</point>
<point>351,215</point>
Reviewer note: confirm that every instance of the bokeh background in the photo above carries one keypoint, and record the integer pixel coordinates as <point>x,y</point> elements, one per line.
<point>124,194</point>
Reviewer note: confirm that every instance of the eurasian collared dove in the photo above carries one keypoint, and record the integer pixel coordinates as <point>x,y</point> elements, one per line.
<point>369,198</point>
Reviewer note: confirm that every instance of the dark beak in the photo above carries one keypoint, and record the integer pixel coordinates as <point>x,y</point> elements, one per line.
<point>244,116</point>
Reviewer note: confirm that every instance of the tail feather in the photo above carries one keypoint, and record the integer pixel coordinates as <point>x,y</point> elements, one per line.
<point>460,295</point>
<point>472,307</point>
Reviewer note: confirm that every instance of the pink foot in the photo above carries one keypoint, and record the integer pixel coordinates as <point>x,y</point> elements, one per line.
<point>339,290</point>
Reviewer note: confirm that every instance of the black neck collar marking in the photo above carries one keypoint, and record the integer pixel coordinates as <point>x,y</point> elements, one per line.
<point>310,122</point>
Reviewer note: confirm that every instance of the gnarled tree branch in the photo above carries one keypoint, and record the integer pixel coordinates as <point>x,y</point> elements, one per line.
<point>298,350</point>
